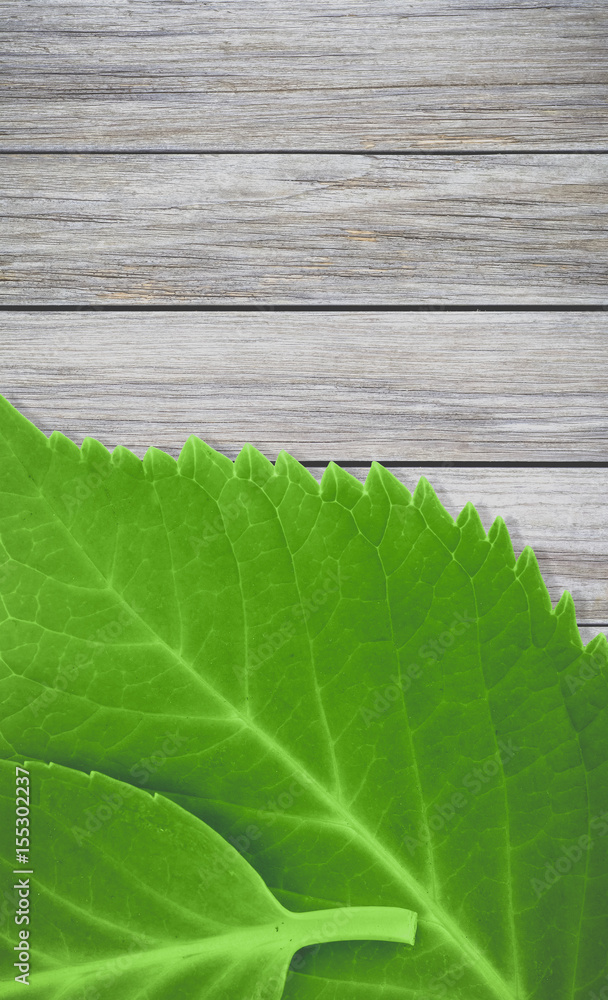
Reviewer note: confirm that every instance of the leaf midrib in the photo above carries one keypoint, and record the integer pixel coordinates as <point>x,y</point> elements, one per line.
<point>501,989</point>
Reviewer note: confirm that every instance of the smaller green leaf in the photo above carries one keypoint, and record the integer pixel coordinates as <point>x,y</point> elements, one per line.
<point>133,897</point>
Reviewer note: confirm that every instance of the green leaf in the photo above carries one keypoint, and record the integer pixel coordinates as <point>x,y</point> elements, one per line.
<point>374,704</point>
<point>134,897</point>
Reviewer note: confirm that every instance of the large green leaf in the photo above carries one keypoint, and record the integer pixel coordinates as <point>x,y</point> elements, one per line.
<point>375,704</point>
<point>134,897</point>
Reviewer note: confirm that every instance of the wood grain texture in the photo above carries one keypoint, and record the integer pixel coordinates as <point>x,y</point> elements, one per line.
<point>561,513</point>
<point>589,632</point>
<point>303,229</point>
<point>262,74</point>
<point>265,229</point>
<point>421,386</point>
<point>311,384</point>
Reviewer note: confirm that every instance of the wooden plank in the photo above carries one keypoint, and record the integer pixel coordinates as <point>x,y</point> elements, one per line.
<point>589,633</point>
<point>305,229</point>
<point>561,513</point>
<point>262,74</point>
<point>310,384</point>
<point>417,386</point>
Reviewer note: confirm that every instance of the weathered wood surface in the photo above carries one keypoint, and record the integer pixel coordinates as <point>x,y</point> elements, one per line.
<point>561,513</point>
<point>370,229</point>
<point>311,384</point>
<point>589,632</point>
<point>304,229</point>
<point>409,386</point>
<point>262,74</point>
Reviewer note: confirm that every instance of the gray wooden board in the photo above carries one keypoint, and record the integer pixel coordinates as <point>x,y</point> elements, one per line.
<point>255,74</point>
<point>406,386</point>
<point>300,229</point>
<point>309,383</point>
<point>322,229</point>
<point>561,513</point>
<point>589,632</point>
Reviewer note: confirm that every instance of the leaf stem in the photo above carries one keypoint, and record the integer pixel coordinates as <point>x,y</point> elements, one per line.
<point>355,923</point>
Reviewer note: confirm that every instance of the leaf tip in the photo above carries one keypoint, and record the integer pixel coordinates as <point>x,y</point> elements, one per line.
<point>62,445</point>
<point>435,514</point>
<point>328,484</point>
<point>565,616</point>
<point>158,464</point>
<point>565,606</point>
<point>128,462</point>
<point>499,538</point>
<point>200,462</point>
<point>527,558</point>
<point>469,518</point>
<point>349,489</point>
<point>599,645</point>
<point>381,477</point>
<point>251,464</point>
<point>95,453</point>
<point>287,465</point>
<point>542,616</point>
<point>423,491</point>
